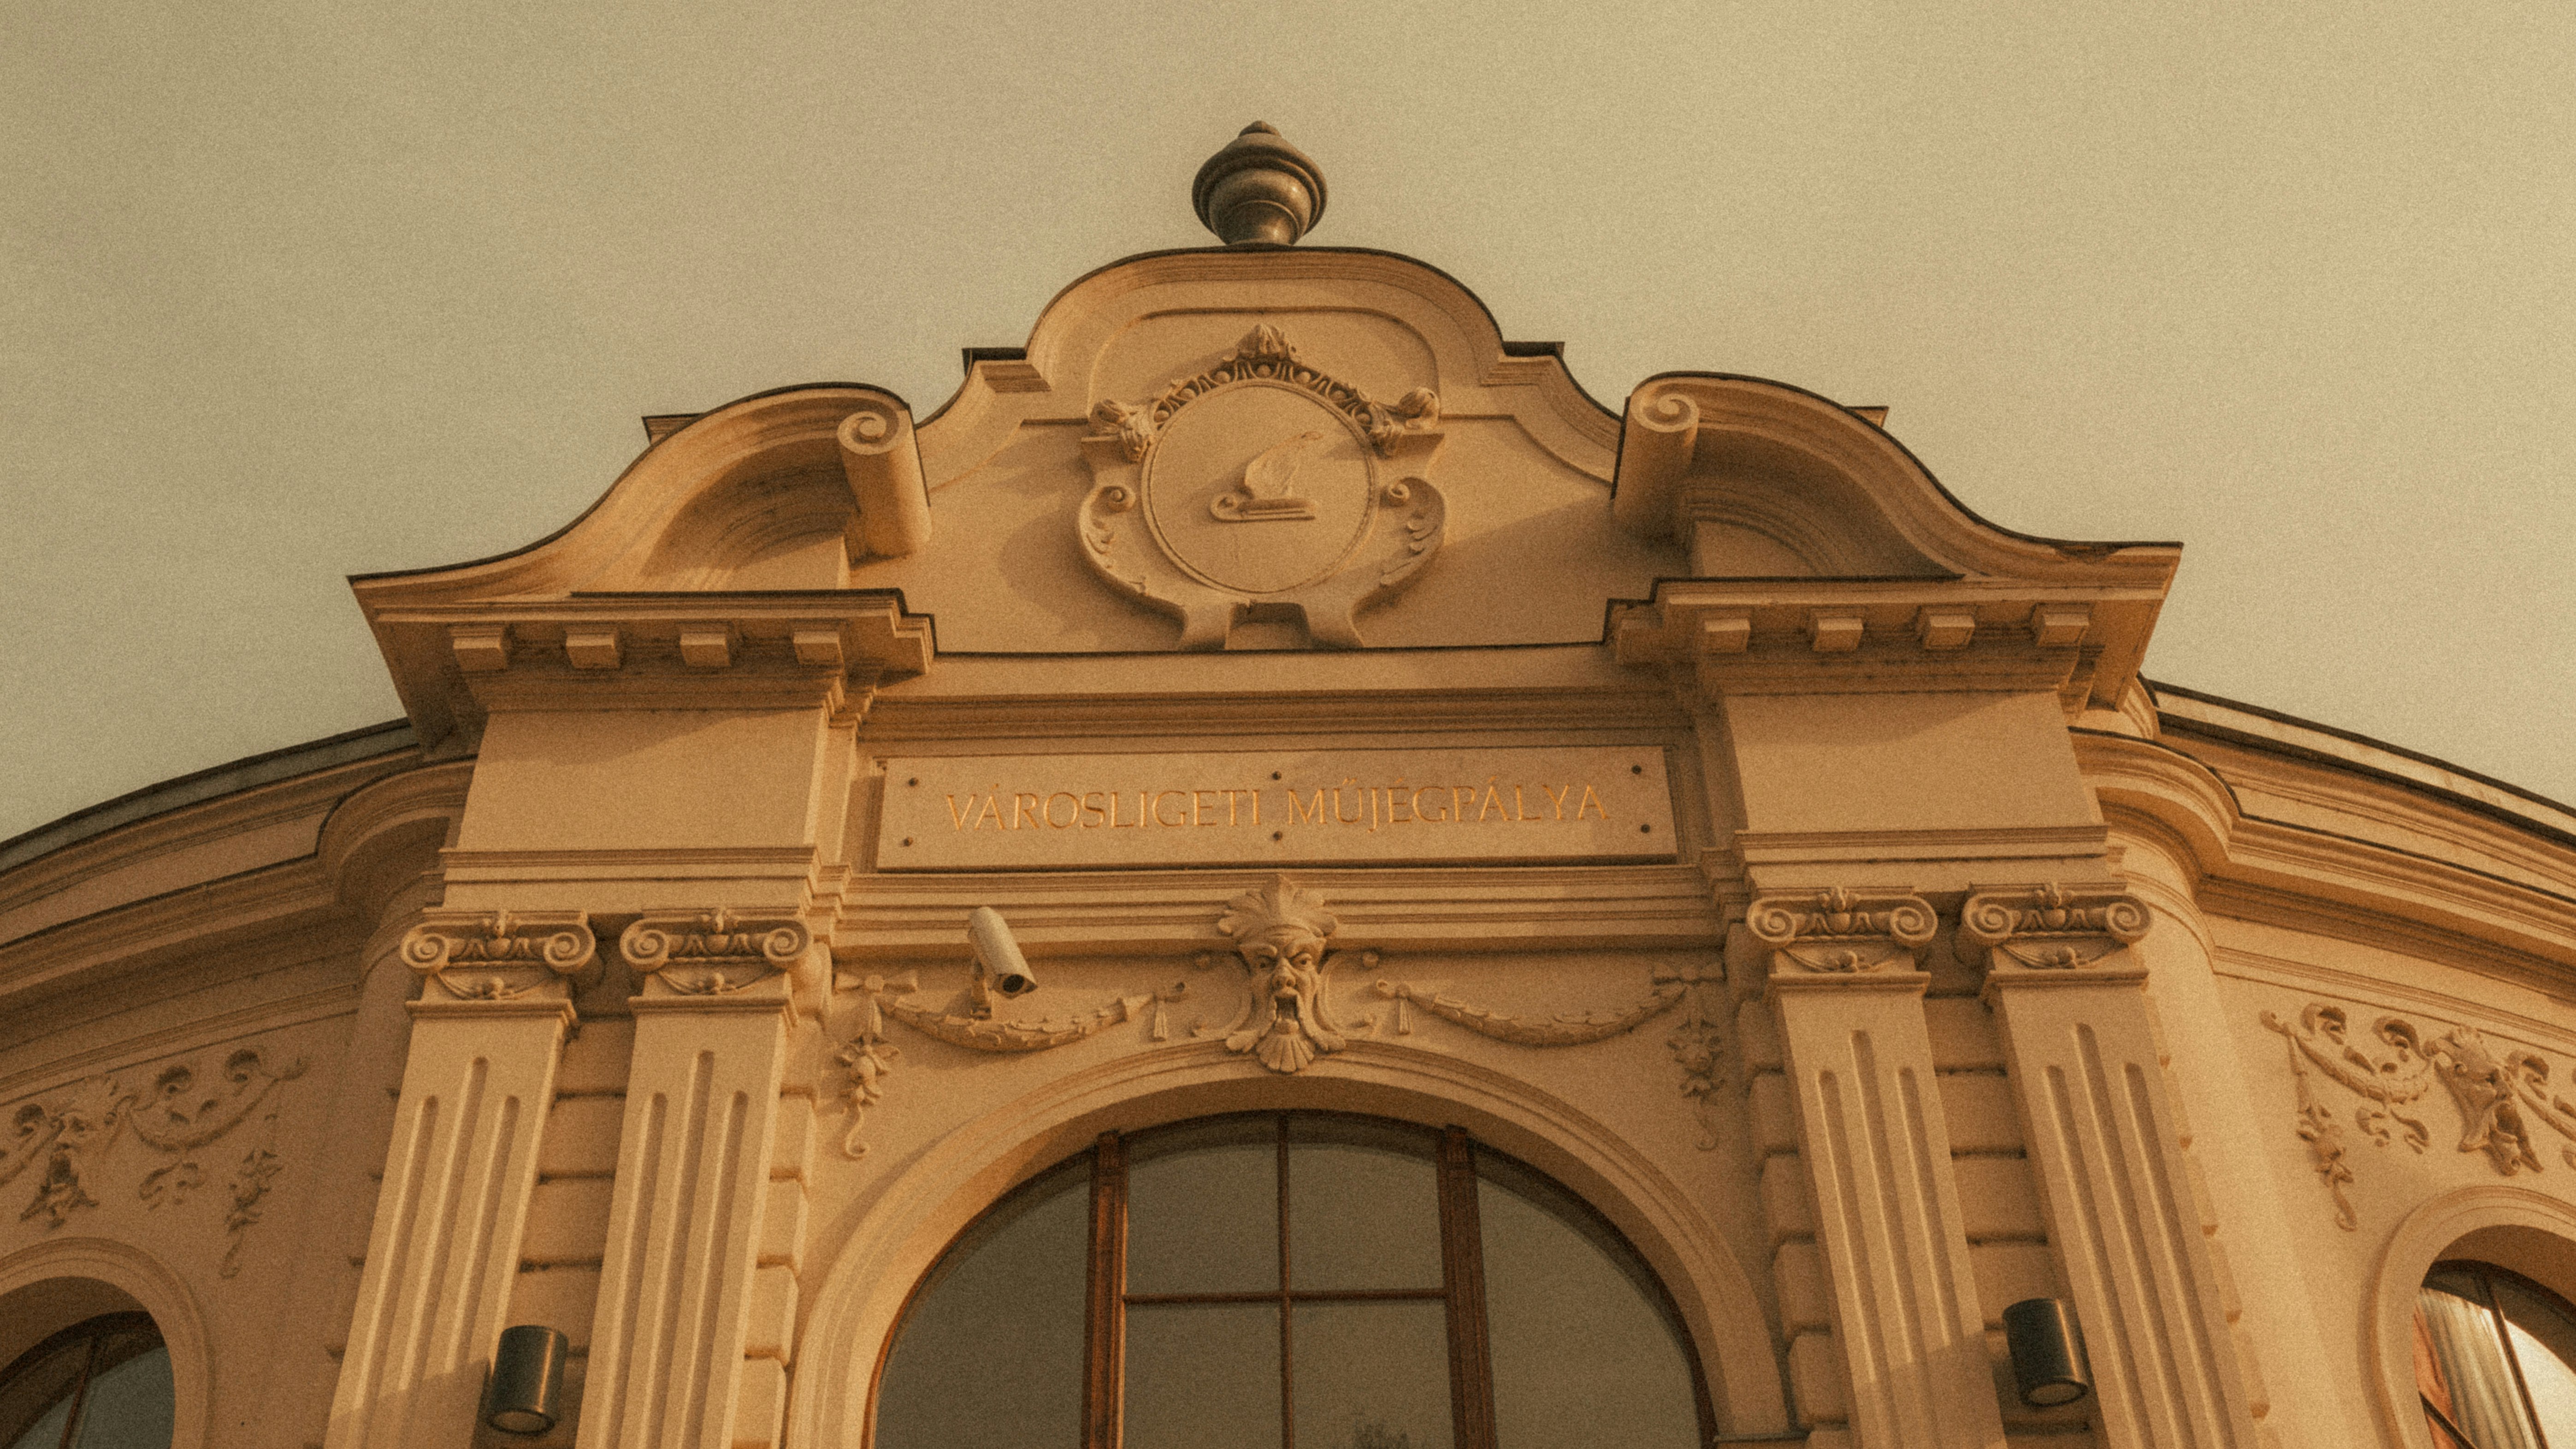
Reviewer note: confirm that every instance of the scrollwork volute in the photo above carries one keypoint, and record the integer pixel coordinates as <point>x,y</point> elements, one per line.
<point>2502,1094</point>
<point>187,1109</point>
<point>2048,927</point>
<point>1263,482</point>
<point>713,953</point>
<point>1836,931</point>
<point>499,955</point>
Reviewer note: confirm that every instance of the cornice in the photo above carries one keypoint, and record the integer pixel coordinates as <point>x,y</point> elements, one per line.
<point>2190,712</point>
<point>1237,722</point>
<point>455,661</point>
<point>321,889</point>
<point>2080,640</point>
<point>1469,909</point>
<point>252,808</point>
<point>1685,424</point>
<point>2360,882</point>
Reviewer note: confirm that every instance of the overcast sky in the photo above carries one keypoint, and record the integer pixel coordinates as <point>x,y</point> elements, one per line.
<point>295,291</point>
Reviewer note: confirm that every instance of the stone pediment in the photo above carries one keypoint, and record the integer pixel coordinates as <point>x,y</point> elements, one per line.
<point>1258,447</point>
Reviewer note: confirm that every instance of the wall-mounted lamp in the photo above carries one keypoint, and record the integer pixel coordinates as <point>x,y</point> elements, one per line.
<point>527,1380</point>
<point>2047,1353</point>
<point>999,966</point>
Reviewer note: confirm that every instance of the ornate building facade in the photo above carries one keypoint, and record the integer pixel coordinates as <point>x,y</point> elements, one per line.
<point>1442,839</point>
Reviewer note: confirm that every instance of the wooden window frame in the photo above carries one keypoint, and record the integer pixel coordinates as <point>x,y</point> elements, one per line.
<point>1462,1289</point>
<point>96,1331</point>
<point>2485,1273</point>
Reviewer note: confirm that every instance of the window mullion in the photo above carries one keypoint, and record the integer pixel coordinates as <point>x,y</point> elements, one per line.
<point>1462,1272</point>
<point>2512,1359</point>
<point>1287,1315</point>
<point>80,1391</point>
<point>1104,1321</point>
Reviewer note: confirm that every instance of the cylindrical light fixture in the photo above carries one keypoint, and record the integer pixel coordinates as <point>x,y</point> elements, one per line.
<point>2048,1362</point>
<point>527,1380</point>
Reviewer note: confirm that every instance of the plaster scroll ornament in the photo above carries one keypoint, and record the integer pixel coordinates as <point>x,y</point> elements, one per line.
<point>2500,1094</point>
<point>1841,932</point>
<point>185,1111</point>
<point>1263,483</point>
<point>2048,927</point>
<point>713,952</point>
<point>499,955</point>
<point>868,1058</point>
<point>1279,932</point>
<point>1695,1043</point>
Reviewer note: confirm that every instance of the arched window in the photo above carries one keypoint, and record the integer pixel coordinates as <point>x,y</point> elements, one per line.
<point>101,1384</point>
<point>1290,1281</point>
<point>2495,1360</point>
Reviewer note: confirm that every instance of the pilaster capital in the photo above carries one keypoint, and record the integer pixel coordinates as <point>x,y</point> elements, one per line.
<point>1840,932</point>
<point>498,958</point>
<point>717,959</point>
<point>2054,928</point>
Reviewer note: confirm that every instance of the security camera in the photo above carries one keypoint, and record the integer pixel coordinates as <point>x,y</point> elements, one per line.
<point>999,967</point>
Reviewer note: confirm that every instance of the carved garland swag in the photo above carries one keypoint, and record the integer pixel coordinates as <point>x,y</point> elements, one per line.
<point>1287,1020</point>
<point>185,1110</point>
<point>2500,1094</point>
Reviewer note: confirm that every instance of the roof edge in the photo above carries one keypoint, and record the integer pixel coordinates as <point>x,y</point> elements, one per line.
<point>2194,711</point>
<point>266,768</point>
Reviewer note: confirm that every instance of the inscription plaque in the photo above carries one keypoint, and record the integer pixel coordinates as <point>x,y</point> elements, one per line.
<point>1279,807</point>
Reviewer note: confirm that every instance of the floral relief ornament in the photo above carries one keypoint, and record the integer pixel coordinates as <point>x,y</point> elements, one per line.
<point>183,1112</point>
<point>869,1058</point>
<point>1696,1043</point>
<point>2500,1094</point>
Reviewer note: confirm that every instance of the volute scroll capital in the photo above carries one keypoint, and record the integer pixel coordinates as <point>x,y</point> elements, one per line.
<point>720,953</point>
<point>2049,927</point>
<point>500,956</point>
<point>1837,931</point>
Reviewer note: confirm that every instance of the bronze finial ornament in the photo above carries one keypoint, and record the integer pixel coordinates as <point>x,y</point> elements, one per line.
<point>1258,188</point>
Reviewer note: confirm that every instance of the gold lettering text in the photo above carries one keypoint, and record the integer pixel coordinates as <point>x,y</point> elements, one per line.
<point>1201,802</point>
<point>1420,814</point>
<point>1338,816</point>
<point>1493,805</point>
<point>1023,806</point>
<point>1090,809</point>
<point>1304,815</point>
<point>1590,802</point>
<point>1556,797</point>
<point>1073,800</point>
<point>1162,795</point>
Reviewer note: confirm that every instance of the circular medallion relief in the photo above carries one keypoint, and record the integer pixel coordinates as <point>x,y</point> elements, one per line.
<point>1259,486</point>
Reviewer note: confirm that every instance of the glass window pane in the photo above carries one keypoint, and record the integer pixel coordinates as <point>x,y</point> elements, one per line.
<point>1363,1207</point>
<point>1203,1209</point>
<point>2544,1344</point>
<point>2469,1359</point>
<point>37,1399</point>
<point>1202,1376</point>
<point>990,1355</point>
<point>1371,1375</point>
<point>130,1404</point>
<point>1582,1351</point>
